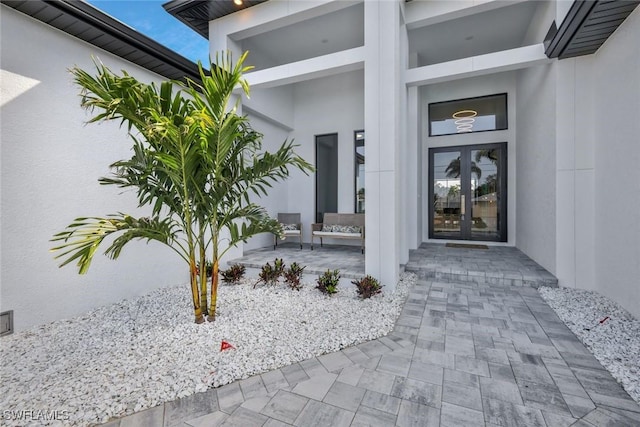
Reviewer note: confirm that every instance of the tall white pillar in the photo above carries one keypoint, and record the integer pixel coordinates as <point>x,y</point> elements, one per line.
<point>413,158</point>
<point>220,44</point>
<point>413,165</point>
<point>381,111</point>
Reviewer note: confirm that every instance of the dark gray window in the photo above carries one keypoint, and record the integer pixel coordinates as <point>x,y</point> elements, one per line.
<point>326,174</point>
<point>468,115</point>
<point>359,170</point>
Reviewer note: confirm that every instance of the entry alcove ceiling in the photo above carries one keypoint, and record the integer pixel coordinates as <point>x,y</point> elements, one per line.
<point>478,34</point>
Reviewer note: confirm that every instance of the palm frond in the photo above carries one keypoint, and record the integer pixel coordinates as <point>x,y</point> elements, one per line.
<point>81,239</point>
<point>248,221</point>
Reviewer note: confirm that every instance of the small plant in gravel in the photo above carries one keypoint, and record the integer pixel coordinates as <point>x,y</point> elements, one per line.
<point>328,282</point>
<point>292,276</point>
<point>269,274</point>
<point>368,286</point>
<point>233,274</point>
<point>278,266</point>
<point>208,268</point>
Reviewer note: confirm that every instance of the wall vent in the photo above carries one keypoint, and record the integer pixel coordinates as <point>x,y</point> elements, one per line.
<point>6,323</point>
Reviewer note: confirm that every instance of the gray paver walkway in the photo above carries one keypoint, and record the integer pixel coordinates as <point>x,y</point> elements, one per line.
<point>348,259</point>
<point>494,265</point>
<point>461,354</point>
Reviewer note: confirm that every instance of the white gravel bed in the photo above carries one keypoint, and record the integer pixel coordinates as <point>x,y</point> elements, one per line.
<point>138,353</point>
<point>615,342</point>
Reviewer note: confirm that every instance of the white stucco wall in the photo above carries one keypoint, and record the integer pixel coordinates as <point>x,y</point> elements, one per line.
<point>50,165</point>
<point>467,88</point>
<point>323,106</point>
<point>597,243</point>
<point>616,199</point>
<point>276,104</point>
<point>574,207</point>
<point>276,201</point>
<point>536,165</point>
<point>536,156</point>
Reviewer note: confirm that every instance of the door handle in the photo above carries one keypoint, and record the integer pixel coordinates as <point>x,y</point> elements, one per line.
<point>462,205</point>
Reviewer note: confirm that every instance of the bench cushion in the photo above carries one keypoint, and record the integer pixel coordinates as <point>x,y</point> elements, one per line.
<point>289,227</point>
<point>338,228</point>
<point>291,232</point>
<point>337,234</point>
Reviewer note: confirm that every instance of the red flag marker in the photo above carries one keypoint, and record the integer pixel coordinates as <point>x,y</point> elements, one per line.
<point>600,322</point>
<point>226,346</point>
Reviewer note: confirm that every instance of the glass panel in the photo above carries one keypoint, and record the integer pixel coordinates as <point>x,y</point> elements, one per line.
<point>485,190</point>
<point>326,175</point>
<point>446,192</point>
<point>359,163</point>
<point>468,115</point>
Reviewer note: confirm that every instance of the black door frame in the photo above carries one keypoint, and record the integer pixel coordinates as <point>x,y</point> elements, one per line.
<point>465,179</point>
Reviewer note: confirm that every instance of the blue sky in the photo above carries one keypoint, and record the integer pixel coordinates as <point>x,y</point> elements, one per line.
<point>149,18</point>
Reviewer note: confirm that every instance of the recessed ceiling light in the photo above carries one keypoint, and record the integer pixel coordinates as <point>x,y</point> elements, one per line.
<point>468,38</point>
<point>238,2</point>
<point>324,40</point>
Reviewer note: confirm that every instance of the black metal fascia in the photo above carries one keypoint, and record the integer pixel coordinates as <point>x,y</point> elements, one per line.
<point>175,9</point>
<point>579,10</point>
<point>118,37</point>
<point>587,26</point>
<point>197,14</point>
<point>105,23</point>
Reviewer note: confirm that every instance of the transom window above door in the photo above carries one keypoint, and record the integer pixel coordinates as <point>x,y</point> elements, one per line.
<point>468,115</point>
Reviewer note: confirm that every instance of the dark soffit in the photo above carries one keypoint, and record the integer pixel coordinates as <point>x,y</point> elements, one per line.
<point>197,13</point>
<point>84,21</point>
<point>588,24</point>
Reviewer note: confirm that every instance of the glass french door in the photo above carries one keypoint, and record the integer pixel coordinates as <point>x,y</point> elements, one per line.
<point>468,192</point>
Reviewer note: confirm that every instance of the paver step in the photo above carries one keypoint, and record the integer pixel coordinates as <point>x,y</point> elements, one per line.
<point>499,266</point>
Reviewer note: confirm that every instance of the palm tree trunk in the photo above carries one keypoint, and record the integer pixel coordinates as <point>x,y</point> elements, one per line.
<point>203,279</point>
<point>214,291</point>
<point>194,293</point>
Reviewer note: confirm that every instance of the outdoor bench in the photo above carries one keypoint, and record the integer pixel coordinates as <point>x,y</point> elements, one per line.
<point>339,226</point>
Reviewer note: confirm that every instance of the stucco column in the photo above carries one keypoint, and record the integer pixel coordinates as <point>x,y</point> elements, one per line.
<point>413,172</point>
<point>381,111</point>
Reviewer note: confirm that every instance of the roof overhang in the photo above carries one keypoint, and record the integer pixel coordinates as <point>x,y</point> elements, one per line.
<point>588,24</point>
<point>196,14</point>
<point>82,20</point>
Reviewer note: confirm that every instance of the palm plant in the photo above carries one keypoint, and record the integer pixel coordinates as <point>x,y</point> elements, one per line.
<point>492,155</point>
<point>196,163</point>
<point>453,169</point>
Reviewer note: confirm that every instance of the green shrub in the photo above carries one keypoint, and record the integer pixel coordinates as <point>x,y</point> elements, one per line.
<point>368,286</point>
<point>278,266</point>
<point>208,267</point>
<point>328,282</point>
<point>233,274</point>
<point>292,276</point>
<point>269,275</point>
